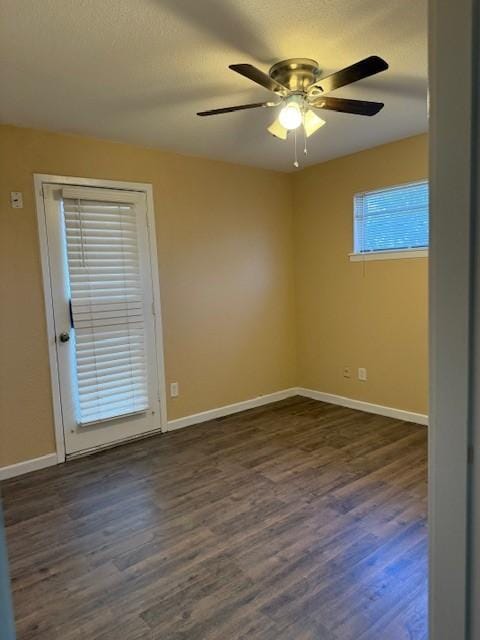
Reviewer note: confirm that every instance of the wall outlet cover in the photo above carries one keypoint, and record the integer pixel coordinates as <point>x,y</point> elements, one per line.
<point>362,373</point>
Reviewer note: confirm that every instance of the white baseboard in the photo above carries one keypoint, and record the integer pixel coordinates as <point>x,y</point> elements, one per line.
<point>360,405</point>
<point>51,459</point>
<point>220,412</point>
<point>27,466</point>
<point>399,414</point>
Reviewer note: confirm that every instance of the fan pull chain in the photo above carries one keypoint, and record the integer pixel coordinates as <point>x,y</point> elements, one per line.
<point>304,130</point>
<point>295,162</point>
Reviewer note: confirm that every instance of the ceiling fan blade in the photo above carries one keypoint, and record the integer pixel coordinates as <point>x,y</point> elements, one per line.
<point>278,130</point>
<point>311,123</point>
<point>254,74</point>
<point>363,69</point>
<point>357,107</point>
<point>241,107</point>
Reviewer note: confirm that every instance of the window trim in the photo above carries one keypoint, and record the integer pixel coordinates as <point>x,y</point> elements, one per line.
<point>386,254</point>
<point>389,254</point>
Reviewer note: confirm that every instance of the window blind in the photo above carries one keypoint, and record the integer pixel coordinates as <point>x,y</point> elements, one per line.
<point>107,308</point>
<point>390,219</point>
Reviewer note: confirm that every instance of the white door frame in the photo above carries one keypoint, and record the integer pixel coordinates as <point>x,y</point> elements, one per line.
<point>454,317</point>
<point>39,180</point>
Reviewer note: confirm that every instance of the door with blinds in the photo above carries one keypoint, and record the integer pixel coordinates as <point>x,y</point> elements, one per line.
<point>104,314</point>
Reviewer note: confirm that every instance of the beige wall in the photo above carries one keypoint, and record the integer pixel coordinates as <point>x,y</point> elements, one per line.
<point>258,294</point>
<point>225,256</point>
<point>352,314</point>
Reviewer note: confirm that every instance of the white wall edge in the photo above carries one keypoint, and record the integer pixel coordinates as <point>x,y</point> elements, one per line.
<point>229,409</point>
<point>360,405</point>
<point>27,466</point>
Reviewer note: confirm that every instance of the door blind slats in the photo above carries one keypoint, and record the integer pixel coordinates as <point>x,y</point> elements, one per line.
<point>112,392</point>
<point>393,218</point>
<point>107,304</point>
<point>113,377</point>
<point>109,350</point>
<point>120,364</point>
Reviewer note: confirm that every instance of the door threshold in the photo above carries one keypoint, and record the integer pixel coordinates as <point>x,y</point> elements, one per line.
<point>111,445</point>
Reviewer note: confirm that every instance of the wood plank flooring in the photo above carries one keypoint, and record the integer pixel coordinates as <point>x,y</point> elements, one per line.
<point>296,521</point>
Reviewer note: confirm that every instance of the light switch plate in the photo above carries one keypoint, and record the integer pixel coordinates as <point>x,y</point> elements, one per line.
<point>16,199</point>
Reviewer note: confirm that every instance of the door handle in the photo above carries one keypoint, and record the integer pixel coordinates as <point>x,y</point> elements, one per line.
<point>64,336</point>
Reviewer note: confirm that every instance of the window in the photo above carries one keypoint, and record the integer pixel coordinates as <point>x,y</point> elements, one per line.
<point>391,220</point>
<point>107,307</point>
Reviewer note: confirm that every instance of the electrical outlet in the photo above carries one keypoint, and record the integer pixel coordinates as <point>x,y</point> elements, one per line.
<point>362,373</point>
<point>174,390</point>
<point>347,372</point>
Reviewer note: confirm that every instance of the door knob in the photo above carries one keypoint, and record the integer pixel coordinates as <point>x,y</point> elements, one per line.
<point>64,336</point>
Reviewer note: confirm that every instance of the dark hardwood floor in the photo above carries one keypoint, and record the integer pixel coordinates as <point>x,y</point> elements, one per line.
<point>296,521</point>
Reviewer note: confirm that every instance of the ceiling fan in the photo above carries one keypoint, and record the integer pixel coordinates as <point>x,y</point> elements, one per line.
<point>300,89</point>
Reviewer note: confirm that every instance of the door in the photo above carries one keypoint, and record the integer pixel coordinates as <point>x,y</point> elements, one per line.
<point>7,624</point>
<point>104,314</point>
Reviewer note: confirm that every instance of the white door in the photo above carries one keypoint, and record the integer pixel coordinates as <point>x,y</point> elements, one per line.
<point>104,314</point>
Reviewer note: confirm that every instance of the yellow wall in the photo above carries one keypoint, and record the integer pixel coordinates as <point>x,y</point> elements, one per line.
<point>352,314</point>
<point>225,257</point>
<point>258,293</point>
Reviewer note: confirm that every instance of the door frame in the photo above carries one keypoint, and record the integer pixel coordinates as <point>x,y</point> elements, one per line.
<point>39,180</point>
<point>454,315</point>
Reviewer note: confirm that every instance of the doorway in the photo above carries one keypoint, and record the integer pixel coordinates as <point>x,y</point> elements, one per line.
<point>103,311</point>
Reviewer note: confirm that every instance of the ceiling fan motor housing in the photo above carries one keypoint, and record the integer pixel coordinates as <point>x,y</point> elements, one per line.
<point>297,74</point>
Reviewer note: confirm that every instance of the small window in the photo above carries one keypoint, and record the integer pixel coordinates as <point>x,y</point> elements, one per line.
<point>392,220</point>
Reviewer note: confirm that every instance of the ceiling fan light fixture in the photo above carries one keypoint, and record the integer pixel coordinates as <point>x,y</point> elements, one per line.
<point>277,130</point>
<point>291,114</point>
<point>311,122</point>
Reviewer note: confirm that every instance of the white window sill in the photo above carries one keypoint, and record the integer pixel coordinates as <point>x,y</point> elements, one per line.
<point>388,255</point>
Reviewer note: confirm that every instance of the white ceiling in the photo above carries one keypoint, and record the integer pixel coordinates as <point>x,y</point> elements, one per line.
<point>138,70</point>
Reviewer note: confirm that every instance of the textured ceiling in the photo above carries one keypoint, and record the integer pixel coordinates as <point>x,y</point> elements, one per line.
<point>138,70</point>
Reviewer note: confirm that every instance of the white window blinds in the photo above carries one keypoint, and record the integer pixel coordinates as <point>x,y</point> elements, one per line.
<point>107,308</point>
<point>390,219</point>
